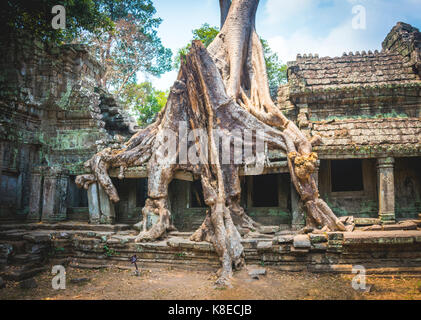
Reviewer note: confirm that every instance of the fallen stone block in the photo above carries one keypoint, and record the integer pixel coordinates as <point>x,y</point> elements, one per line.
<point>256,272</point>
<point>28,284</point>
<point>302,241</point>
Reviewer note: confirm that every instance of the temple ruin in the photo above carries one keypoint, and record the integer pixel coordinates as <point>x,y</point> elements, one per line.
<point>365,106</point>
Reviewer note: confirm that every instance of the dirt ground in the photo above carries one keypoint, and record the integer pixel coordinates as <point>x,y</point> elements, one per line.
<point>181,284</point>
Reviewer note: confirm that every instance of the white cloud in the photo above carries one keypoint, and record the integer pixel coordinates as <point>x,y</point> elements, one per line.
<point>340,39</point>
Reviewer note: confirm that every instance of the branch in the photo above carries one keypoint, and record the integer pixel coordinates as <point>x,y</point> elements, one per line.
<point>224,6</point>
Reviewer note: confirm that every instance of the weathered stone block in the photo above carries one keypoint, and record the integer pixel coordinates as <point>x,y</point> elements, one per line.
<point>320,246</point>
<point>288,238</point>
<point>302,241</point>
<point>268,229</point>
<point>317,238</point>
<point>335,236</point>
<point>264,245</point>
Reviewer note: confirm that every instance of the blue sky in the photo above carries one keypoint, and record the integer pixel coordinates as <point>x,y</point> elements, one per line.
<point>292,26</point>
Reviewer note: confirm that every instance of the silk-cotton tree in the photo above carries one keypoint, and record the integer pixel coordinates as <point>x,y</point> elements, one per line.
<point>221,88</point>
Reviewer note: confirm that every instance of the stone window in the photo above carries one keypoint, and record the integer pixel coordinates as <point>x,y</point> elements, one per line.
<point>265,191</point>
<point>346,175</point>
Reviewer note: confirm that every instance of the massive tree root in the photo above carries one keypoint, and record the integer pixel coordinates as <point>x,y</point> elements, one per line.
<point>219,91</point>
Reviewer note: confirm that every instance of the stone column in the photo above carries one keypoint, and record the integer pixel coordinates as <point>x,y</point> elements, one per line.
<point>386,189</point>
<point>93,204</point>
<point>54,206</point>
<point>297,210</point>
<point>106,207</point>
<point>35,198</point>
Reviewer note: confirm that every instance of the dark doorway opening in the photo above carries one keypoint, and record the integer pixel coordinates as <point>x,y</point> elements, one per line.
<point>76,197</point>
<point>196,195</point>
<point>346,175</point>
<point>141,192</point>
<point>265,191</point>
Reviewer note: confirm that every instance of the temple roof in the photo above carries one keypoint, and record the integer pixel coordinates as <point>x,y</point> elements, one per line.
<point>397,63</point>
<point>392,135</point>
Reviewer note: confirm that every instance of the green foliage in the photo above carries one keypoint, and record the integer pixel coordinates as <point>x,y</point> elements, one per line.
<point>132,45</point>
<point>205,33</point>
<point>109,252</point>
<point>122,34</point>
<point>21,17</point>
<point>145,99</point>
<point>276,71</point>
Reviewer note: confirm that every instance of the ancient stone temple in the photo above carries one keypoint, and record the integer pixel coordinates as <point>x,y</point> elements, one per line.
<point>53,116</point>
<point>366,107</point>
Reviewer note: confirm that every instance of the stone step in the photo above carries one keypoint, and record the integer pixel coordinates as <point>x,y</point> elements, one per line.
<point>69,225</point>
<point>26,258</point>
<point>14,273</point>
<point>366,221</point>
<point>181,234</point>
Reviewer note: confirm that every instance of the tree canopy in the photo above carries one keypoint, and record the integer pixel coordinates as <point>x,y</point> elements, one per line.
<point>144,99</point>
<point>34,18</point>
<point>122,34</point>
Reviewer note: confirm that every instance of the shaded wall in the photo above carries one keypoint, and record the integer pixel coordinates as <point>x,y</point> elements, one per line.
<point>361,203</point>
<point>407,187</point>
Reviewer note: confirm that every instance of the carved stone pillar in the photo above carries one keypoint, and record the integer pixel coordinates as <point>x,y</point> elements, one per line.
<point>54,206</point>
<point>386,189</point>
<point>93,204</point>
<point>35,198</point>
<point>106,206</point>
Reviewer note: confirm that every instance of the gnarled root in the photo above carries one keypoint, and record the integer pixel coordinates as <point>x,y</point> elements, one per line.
<point>320,213</point>
<point>155,208</point>
<point>83,181</point>
<point>218,228</point>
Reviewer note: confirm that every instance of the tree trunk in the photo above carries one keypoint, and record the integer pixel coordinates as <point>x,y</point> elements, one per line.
<point>218,91</point>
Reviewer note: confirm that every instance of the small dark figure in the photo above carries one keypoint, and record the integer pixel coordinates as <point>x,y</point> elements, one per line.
<point>133,260</point>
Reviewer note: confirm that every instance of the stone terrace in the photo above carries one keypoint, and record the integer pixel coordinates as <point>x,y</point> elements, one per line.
<point>26,249</point>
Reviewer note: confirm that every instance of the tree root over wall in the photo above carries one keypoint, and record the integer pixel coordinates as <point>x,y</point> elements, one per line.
<point>220,89</point>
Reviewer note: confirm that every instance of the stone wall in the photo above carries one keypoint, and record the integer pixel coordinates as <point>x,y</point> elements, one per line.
<point>26,249</point>
<point>364,105</point>
<point>53,117</point>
